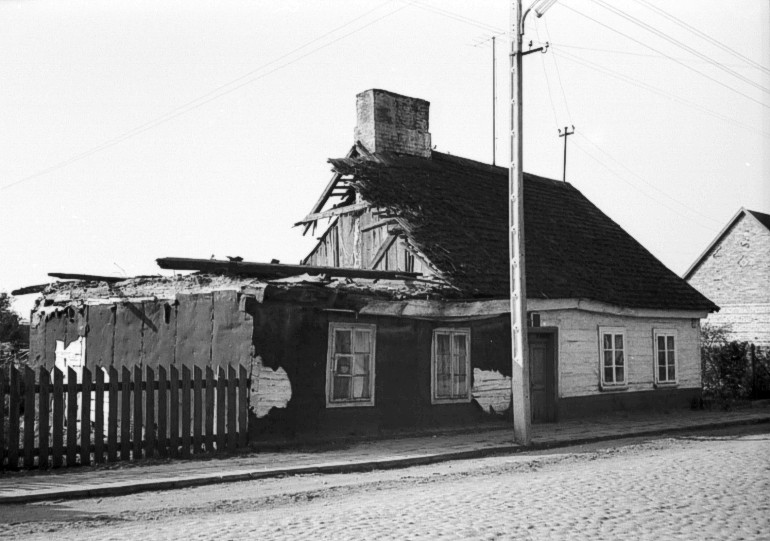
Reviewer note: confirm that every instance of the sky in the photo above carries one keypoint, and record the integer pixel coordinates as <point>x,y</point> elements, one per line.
<point>146,129</point>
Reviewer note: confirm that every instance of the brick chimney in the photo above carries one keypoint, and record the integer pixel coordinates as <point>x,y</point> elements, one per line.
<point>389,122</point>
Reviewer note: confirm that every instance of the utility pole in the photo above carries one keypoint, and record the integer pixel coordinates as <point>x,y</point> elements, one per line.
<point>494,103</point>
<point>520,377</point>
<point>566,134</point>
<point>518,287</point>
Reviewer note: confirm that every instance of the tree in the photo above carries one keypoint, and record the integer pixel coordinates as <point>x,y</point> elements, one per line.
<point>10,328</point>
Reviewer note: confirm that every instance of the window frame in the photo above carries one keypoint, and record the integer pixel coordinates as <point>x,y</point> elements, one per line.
<point>451,331</point>
<point>666,333</point>
<point>350,403</point>
<point>613,331</point>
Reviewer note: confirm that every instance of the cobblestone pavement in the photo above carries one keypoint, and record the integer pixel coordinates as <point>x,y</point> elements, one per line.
<point>700,485</point>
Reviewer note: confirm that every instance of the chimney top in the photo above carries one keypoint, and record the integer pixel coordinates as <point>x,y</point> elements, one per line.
<point>390,122</point>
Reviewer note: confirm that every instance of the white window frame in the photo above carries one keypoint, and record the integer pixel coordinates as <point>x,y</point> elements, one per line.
<point>456,399</point>
<point>613,331</point>
<point>665,333</point>
<point>330,363</point>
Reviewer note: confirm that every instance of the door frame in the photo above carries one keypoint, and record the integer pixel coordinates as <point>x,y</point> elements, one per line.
<point>553,337</point>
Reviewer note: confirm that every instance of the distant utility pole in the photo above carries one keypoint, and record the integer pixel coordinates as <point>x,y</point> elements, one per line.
<point>494,103</point>
<point>520,377</point>
<point>566,134</point>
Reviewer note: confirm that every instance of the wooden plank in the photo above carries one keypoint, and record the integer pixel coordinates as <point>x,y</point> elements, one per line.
<point>382,250</point>
<point>232,403</point>
<point>210,392</point>
<point>185,412</point>
<point>85,419</point>
<point>375,225</point>
<point>221,409</point>
<point>72,417</point>
<point>125,414</point>
<point>87,277</point>
<point>29,418</point>
<point>149,412</point>
<point>57,421</point>
<point>99,416</point>
<point>45,422</point>
<point>162,412</point>
<point>3,443</point>
<point>14,402</point>
<point>137,440</point>
<point>112,416</point>
<point>246,268</point>
<point>173,405</point>
<point>337,211</point>
<point>197,410</point>
<point>243,408</point>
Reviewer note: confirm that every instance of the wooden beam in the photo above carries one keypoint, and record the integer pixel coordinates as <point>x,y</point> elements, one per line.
<point>88,277</point>
<point>347,209</point>
<point>277,270</point>
<point>30,289</point>
<point>382,250</point>
<point>375,225</point>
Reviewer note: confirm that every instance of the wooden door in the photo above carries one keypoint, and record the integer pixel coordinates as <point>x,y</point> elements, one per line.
<point>542,371</point>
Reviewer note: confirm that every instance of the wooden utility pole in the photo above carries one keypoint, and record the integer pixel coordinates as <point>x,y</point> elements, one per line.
<point>518,297</point>
<point>494,104</point>
<point>566,134</point>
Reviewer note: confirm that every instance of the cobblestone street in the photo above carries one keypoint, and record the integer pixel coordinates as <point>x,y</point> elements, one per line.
<point>707,485</point>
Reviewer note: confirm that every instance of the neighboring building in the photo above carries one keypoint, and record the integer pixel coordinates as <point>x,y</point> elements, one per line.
<point>734,272</point>
<point>400,315</point>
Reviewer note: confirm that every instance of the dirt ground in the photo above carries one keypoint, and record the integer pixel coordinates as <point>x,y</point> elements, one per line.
<point>703,485</point>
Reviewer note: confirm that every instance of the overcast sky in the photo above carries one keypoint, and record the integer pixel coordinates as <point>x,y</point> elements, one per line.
<point>146,129</point>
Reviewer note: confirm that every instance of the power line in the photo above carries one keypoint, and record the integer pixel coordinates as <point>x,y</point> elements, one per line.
<point>641,84</point>
<point>558,74</point>
<point>215,93</point>
<point>635,187</point>
<point>679,44</point>
<point>635,175</point>
<point>703,35</point>
<point>666,55</point>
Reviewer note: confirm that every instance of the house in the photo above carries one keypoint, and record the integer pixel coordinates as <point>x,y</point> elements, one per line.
<point>734,271</point>
<point>399,316</point>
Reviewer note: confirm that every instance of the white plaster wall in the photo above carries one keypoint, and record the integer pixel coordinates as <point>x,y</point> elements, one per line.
<point>579,350</point>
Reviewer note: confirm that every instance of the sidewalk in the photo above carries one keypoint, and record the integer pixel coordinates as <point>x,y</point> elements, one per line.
<point>353,456</point>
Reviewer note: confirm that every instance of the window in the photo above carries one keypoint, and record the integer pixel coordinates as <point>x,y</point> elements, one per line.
<point>350,365</point>
<point>665,355</point>
<point>450,366</point>
<point>612,344</point>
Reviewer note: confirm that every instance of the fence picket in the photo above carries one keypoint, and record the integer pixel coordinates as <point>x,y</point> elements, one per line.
<point>112,415</point>
<point>232,441</point>
<point>185,412</point>
<point>149,411</point>
<point>99,416</point>
<point>162,413</point>
<point>137,412</point>
<point>210,391</point>
<point>45,408</point>
<point>2,419</point>
<point>243,412</point>
<point>197,410</point>
<point>72,417</point>
<point>85,419</point>
<point>174,412</point>
<point>29,418</point>
<point>221,409</point>
<point>125,415</point>
<point>13,419</point>
<point>57,421</point>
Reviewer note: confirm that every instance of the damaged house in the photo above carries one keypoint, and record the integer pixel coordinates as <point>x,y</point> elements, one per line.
<point>399,316</point>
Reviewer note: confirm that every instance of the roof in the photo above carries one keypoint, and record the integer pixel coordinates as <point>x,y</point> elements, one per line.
<point>762,218</point>
<point>455,211</point>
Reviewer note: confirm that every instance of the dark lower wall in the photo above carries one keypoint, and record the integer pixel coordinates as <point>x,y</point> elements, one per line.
<point>656,400</point>
<point>295,338</point>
